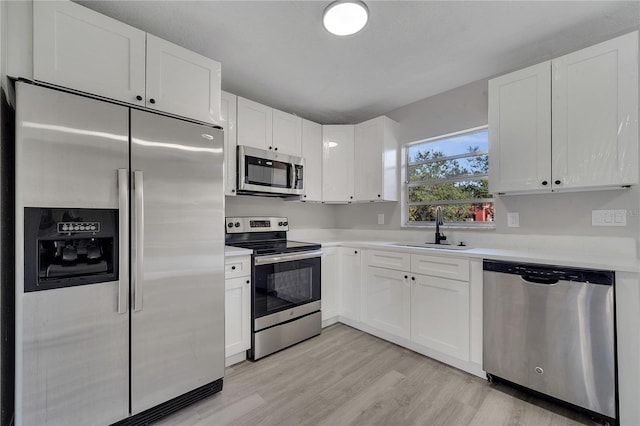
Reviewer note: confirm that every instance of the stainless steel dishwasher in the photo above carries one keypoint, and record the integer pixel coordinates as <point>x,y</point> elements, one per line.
<point>551,329</point>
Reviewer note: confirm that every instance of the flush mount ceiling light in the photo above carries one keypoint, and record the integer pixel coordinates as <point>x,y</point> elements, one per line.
<point>345,17</point>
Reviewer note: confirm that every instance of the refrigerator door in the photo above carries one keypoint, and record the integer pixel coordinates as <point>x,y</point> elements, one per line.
<point>72,358</point>
<point>177,258</point>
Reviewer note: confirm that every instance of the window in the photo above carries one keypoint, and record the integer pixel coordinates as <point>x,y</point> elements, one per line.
<point>449,171</point>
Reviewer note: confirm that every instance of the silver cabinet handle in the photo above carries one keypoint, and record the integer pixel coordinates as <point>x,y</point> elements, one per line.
<point>138,262</point>
<point>123,216</point>
<point>278,258</point>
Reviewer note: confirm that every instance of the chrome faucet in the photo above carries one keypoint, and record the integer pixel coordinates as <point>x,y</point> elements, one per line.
<point>439,237</point>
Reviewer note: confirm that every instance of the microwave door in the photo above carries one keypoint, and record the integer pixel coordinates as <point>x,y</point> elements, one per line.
<point>269,173</point>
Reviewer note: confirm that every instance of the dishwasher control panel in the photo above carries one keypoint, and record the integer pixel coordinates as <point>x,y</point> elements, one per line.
<point>548,273</point>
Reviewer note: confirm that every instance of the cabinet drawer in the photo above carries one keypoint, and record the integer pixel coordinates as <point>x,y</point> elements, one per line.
<point>237,266</point>
<point>439,266</point>
<point>388,260</point>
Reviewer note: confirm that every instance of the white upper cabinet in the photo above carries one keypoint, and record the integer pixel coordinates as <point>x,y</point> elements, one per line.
<point>567,124</point>
<point>338,163</point>
<point>287,133</point>
<point>312,154</point>
<point>263,127</point>
<point>228,105</point>
<point>595,115</point>
<point>78,48</point>
<point>182,82</point>
<point>520,130</point>
<point>376,172</point>
<point>255,124</point>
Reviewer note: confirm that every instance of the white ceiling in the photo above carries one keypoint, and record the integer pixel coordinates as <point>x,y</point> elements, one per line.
<point>278,53</point>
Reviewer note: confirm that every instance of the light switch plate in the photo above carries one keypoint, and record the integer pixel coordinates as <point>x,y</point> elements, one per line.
<point>608,218</point>
<point>381,219</point>
<point>513,220</point>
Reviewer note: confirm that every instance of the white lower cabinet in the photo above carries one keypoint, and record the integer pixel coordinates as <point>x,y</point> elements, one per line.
<point>419,301</point>
<point>330,284</point>
<point>237,305</point>
<point>387,301</point>
<point>350,283</point>
<point>440,314</point>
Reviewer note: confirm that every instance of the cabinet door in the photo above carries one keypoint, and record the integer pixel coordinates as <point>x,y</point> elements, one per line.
<point>351,284</point>
<point>287,133</point>
<point>80,49</point>
<point>337,163</point>
<point>595,107</point>
<point>330,283</point>
<point>387,301</point>
<point>255,124</point>
<point>368,182</point>
<point>520,130</point>
<point>237,315</point>
<point>440,314</point>
<point>182,82</point>
<point>228,107</point>
<point>312,153</point>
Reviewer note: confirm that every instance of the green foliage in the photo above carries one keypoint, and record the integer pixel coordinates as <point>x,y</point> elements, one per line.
<point>439,168</point>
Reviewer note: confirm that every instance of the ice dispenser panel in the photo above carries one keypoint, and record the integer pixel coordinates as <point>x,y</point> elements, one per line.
<point>69,247</point>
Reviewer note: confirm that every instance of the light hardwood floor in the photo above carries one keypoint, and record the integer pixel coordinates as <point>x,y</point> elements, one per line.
<point>347,377</point>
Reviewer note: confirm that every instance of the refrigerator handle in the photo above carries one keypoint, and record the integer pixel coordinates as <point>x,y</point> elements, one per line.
<point>123,237</point>
<point>138,191</point>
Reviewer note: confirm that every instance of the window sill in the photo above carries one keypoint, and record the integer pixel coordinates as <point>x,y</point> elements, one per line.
<point>490,226</point>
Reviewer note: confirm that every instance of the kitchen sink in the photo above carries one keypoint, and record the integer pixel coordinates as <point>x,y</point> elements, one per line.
<point>432,246</point>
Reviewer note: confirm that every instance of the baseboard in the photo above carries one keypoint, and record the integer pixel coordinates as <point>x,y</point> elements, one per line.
<point>467,366</point>
<point>330,321</point>
<point>235,359</point>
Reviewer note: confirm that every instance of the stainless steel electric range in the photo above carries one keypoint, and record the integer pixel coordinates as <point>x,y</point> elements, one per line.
<point>285,284</point>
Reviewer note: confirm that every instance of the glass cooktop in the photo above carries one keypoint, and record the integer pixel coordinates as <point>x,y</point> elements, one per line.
<point>274,247</point>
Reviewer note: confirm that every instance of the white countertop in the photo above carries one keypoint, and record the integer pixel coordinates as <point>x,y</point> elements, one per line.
<point>549,257</point>
<point>230,251</point>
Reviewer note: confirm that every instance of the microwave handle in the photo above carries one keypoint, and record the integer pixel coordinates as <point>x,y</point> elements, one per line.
<point>294,176</point>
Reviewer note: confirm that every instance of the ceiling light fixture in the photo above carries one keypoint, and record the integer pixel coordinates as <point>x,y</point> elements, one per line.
<point>345,17</point>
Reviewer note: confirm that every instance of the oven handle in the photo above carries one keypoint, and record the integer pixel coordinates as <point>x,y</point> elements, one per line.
<point>279,258</point>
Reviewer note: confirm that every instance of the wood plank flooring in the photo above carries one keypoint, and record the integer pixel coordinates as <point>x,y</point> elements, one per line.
<point>347,377</point>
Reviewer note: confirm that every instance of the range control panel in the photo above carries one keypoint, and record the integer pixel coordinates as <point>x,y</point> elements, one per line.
<point>66,227</point>
<point>235,225</point>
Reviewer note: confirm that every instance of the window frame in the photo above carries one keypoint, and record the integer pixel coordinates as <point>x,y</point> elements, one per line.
<point>406,185</point>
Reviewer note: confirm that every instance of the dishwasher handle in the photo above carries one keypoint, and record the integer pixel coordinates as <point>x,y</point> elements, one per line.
<point>539,280</point>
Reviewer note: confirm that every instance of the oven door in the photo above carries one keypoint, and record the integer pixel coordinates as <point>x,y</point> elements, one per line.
<point>285,286</point>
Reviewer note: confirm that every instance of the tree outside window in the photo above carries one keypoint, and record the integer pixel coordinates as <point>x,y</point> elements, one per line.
<point>451,172</point>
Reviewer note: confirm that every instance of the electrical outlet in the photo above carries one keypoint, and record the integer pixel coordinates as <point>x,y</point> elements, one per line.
<point>381,219</point>
<point>608,218</point>
<point>513,220</point>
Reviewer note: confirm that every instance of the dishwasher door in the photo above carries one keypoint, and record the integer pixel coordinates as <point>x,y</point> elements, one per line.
<point>551,329</point>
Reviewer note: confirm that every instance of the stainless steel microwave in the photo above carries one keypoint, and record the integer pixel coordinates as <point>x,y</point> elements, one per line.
<point>268,173</point>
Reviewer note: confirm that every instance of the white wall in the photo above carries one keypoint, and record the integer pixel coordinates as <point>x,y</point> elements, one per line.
<point>466,107</point>
<point>301,215</point>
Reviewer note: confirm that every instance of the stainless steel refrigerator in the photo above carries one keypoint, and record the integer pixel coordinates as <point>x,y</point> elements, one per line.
<point>119,260</point>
